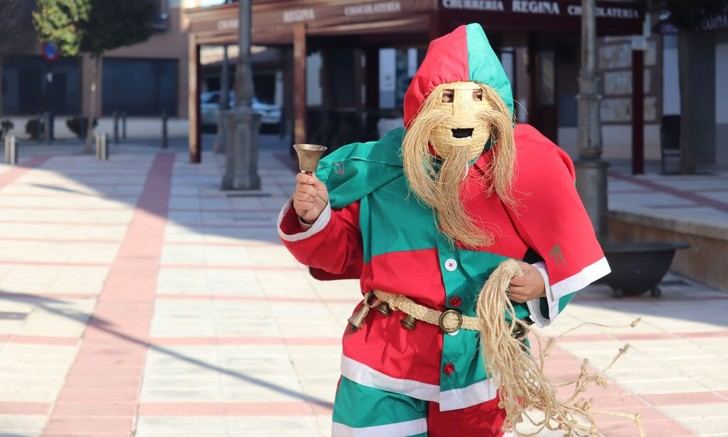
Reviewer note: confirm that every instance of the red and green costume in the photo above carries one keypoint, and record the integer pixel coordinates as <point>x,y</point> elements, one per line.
<point>400,382</point>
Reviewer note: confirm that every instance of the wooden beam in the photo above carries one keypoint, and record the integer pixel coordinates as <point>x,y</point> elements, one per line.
<point>299,81</point>
<point>195,131</point>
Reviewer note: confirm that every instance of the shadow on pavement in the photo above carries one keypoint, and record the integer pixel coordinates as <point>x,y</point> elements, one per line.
<point>51,305</point>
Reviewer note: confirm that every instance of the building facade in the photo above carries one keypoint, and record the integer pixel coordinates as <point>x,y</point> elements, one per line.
<point>143,81</point>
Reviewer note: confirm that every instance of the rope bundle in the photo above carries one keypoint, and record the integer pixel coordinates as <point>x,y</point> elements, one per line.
<point>524,386</point>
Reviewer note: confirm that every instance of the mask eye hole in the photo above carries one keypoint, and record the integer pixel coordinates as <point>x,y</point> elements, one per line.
<point>478,95</point>
<point>448,96</point>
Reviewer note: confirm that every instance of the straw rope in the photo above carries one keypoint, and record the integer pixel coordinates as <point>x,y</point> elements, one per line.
<point>523,384</point>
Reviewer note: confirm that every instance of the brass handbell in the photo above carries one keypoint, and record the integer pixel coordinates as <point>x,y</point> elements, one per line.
<point>408,322</point>
<point>309,156</point>
<point>357,319</point>
<point>370,301</point>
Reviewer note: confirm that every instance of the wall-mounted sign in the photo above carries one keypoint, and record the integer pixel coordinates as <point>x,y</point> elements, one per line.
<point>50,51</point>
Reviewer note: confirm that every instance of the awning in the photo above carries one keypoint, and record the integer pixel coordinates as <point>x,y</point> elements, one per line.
<point>273,20</point>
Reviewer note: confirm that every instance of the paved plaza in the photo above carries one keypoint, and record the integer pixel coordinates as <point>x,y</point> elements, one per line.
<point>138,299</point>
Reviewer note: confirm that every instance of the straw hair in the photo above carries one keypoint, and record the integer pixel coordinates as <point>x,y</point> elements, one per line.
<point>437,180</point>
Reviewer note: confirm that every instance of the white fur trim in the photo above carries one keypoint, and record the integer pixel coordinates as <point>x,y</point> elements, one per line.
<point>576,282</point>
<point>365,375</point>
<point>317,226</point>
<point>534,305</point>
<point>473,394</point>
<point>401,429</point>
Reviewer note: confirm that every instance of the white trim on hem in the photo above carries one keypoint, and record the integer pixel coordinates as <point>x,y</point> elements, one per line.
<point>317,226</point>
<point>401,429</point>
<point>580,280</point>
<point>534,305</point>
<point>576,282</point>
<point>474,394</point>
<point>365,375</point>
<point>454,399</point>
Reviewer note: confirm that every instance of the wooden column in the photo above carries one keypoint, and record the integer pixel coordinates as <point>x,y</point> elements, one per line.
<point>195,132</point>
<point>299,82</point>
<point>287,120</point>
<point>372,78</point>
<point>638,112</point>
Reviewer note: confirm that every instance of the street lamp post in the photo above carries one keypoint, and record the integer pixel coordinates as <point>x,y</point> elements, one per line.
<point>591,170</point>
<point>224,103</point>
<point>241,151</point>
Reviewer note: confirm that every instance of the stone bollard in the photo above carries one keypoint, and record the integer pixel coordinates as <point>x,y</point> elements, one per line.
<point>102,147</point>
<point>164,130</point>
<point>11,149</point>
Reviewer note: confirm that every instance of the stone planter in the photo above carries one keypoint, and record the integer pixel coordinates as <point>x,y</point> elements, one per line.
<point>638,267</point>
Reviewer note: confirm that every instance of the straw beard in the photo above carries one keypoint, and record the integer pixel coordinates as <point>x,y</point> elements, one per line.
<point>440,188</point>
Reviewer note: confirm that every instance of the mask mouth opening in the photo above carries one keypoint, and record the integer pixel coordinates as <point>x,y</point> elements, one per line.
<point>462,133</point>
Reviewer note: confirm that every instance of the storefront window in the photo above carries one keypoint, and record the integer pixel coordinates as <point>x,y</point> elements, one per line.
<point>32,85</point>
<point>142,87</point>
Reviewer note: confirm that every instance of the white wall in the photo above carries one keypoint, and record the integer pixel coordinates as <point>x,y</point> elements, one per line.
<point>670,76</point>
<point>617,141</point>
<point>313,79</point>
<point>387,77</point>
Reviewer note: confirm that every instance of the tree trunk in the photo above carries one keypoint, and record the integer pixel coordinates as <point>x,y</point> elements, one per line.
<point>96,62</point>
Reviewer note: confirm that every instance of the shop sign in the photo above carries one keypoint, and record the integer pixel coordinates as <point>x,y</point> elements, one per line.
<point>619,12</point>
<point>372,8</point>
<point>228,24</point>
<point>474,5</point>
<point>297,15</point>
<point>717,22</point>
<point>531,7</point>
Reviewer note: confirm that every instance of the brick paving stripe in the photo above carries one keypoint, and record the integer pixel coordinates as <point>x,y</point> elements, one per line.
<point>121,320</point>
<point>12,175</point>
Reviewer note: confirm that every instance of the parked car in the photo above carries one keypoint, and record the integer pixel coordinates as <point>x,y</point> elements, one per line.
<point>270,114</point>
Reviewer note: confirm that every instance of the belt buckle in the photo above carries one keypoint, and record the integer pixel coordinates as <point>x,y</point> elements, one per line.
<point>447,316</point>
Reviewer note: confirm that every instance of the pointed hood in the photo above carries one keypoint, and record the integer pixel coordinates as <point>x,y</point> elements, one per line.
<point>462,55</point>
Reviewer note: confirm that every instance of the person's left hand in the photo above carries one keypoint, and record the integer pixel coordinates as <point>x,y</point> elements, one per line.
<point>527,286</point>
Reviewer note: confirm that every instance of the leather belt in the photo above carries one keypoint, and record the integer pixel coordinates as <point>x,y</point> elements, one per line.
<point>449,321</point>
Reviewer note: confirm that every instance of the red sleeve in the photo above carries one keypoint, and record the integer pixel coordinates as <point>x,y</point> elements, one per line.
<point>331,247</point>
<point>550,216</point>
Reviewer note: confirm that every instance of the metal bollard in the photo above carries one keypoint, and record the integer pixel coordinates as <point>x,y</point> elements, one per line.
<point>164,130</point>
<point>123,125</point>
<point>11,149</point>
<point>48,127</point>
<point>102,147</point>
<point>116,127</point>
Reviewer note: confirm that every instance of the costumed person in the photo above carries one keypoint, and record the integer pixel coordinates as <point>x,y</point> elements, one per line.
<point>422,217</point>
